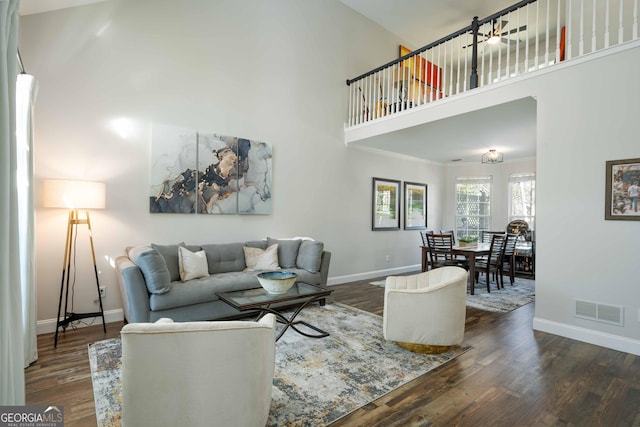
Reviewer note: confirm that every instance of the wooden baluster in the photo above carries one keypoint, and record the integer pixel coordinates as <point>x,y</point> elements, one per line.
<point>606,26</point>
<point>546,53</point>
<point>593,29</point>
<point>635,20</point>
<point>621,23</point>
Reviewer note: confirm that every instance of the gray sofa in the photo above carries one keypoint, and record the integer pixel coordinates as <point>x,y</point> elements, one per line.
<point>150,277</point>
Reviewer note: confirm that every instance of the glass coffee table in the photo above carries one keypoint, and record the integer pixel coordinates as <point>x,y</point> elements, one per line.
<point>259,299</point>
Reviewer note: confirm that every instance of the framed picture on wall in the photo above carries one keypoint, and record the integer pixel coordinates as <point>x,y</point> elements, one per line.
<point>415,206</point>
<point>385,206</point>
<point>622,190</point>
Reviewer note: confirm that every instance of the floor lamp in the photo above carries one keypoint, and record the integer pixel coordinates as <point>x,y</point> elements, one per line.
<point>74,195</point>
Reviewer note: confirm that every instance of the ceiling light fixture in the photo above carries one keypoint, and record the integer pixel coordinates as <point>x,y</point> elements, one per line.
<point>492,156</point>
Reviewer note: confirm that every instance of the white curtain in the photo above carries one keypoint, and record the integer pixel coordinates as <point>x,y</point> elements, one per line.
<point>26,91</point>
<point>11,340</point>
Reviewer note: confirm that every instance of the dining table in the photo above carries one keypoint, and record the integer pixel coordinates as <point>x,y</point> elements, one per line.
<point>470,252</point>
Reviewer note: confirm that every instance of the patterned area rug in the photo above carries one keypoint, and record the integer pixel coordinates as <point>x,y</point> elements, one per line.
<point>499,300</point>
<point>502,300</point>
<point>316,381</point>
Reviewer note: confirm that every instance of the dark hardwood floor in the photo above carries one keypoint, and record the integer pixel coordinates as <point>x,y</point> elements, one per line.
<point>512,376</point>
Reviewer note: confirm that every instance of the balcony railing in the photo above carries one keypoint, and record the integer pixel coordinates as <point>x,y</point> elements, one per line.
<point>523,38</point>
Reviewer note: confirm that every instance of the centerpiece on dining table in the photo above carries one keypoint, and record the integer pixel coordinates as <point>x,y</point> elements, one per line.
<point>469,241</point>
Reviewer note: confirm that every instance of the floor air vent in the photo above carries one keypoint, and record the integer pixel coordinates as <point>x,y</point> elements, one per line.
<point>604,313</point>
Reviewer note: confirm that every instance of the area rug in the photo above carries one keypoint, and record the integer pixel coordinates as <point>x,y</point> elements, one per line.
<point>498,301</point>
<point>317,381</point>
<point>502,300</point>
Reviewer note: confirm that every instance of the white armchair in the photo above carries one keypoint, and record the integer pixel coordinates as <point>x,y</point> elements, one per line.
<point>197,373</point>
<point>426,312</point>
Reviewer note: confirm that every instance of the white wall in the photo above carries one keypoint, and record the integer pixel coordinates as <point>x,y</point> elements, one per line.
<point>581,125</point>
<point>271,71</point>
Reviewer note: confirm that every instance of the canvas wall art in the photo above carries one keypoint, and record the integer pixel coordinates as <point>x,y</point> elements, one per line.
<point>220,174</point>
<point>174,162</point>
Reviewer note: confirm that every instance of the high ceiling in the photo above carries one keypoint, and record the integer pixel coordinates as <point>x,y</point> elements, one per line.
<point>510,128</point>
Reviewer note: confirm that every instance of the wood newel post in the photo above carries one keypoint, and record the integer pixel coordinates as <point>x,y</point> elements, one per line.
<point>475,27</point>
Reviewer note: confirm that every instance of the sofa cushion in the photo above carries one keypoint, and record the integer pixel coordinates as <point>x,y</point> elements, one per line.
<point>170,255</point>
<point>203,290</point>
<point>153,268</point>
<point>225,257</point>
<point>262,244</point>
<point>287,251</point>
<point>193,265</point>
<point>310,255</point>
<point>258,259</point>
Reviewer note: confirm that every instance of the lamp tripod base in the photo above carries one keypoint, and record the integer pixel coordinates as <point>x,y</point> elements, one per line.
<point>70,317</point>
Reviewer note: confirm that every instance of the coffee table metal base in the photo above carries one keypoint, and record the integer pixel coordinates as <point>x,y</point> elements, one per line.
<point>300,295</point>
<point>290,322</point>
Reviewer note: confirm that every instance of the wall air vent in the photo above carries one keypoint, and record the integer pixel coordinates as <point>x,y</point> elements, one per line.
<point>603,313</point>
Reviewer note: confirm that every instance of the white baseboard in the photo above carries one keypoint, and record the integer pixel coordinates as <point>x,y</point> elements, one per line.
<point>372,274</point>
<point>602,339</point>
<point>49,325</point>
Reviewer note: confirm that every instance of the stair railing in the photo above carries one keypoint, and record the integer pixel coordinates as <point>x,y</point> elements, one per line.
<point>523,38</point>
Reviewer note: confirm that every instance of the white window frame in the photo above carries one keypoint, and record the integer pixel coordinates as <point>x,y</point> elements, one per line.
<point>479,223</point>
<point>521,178</point>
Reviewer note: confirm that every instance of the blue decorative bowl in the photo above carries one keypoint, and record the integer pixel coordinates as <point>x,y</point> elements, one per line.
<point>276,282</point>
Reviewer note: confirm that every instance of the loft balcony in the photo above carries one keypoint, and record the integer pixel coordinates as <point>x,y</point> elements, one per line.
<point>526,38</point>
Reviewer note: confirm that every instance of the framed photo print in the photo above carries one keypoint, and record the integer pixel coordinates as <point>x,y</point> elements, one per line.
<point>623,189</point>
<point>385,206</point>
<point>415,206</point>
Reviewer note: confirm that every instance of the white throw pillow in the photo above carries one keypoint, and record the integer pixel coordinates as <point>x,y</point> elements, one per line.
<point>193,265</point>
<point>261,259</point>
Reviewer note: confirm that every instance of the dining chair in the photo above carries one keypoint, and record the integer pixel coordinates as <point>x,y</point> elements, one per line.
<point>509,258</point>
<point>440,250</point>
<point>423,236</point>
<point>485,236</point>
<point>425,249</point>
<point>462,261</point>
<point>453,235</point>
<point>492,265</point>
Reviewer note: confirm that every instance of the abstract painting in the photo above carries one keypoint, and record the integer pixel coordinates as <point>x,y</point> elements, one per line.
<point>221,174</point>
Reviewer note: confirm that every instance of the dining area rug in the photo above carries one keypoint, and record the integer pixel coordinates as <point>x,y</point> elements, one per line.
<point>498,300</point>
<point>505,299</point>
<point>316,381</point>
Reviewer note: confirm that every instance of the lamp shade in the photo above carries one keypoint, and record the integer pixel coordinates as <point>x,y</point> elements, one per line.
<point>71,194</point>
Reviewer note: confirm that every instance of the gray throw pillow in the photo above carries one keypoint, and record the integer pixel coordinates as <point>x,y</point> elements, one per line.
<point>310,255</point>
<point>170,255</point>
<point>287,251</point>
<point>225,257</point>
<point>260,244</point>
<point>153,267</point>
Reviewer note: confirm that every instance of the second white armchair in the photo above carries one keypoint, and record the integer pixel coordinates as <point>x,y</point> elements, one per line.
<point>426,312</point>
